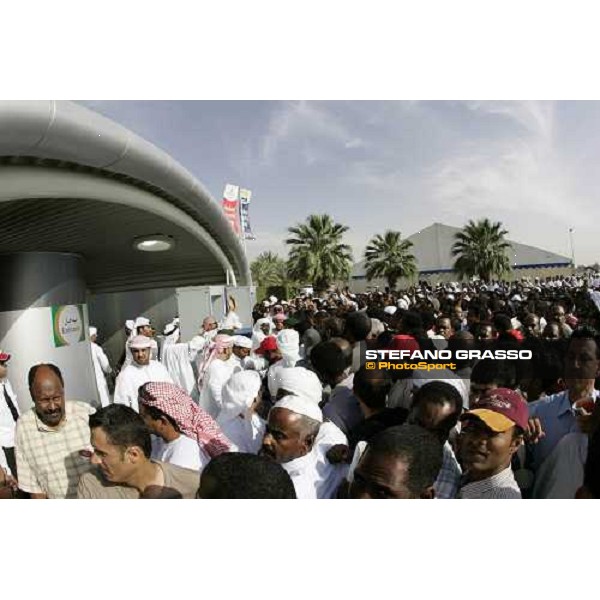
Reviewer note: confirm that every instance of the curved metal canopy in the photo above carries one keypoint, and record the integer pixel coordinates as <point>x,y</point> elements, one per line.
<point>73,181</point>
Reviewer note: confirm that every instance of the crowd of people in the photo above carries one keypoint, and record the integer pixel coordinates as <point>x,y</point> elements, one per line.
<point>292,410</point>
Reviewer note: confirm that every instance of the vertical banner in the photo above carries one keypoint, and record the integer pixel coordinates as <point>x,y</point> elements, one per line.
<point>231,206</point>
<point>245,196</point>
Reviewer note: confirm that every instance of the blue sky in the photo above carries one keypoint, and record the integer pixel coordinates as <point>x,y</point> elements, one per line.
<point>392,164</point>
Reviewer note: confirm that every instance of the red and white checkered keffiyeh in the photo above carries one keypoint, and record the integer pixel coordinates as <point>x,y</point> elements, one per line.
<point>193,421</point>
<point>219,343</point>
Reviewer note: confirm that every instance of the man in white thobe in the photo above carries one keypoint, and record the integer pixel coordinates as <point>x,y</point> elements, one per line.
<point>216,371</point>
<point>291,439</point>
<point>101,367</point>
<point>288,343</point>
<point>241,351</point>
<point>140,371</point>
<point>141,326</point>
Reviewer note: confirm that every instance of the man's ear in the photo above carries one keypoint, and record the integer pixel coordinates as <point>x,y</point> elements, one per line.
<point>516,443</point>
<point>309,441</point>
<point>427,494</point>
<point>134,454</point>
<point>163,423</point>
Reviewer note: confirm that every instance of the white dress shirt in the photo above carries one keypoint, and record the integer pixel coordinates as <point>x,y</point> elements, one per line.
<point>7,423</point>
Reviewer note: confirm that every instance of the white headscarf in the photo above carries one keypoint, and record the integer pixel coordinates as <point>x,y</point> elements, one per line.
<point>300,382</point>
<point>288,342</point>
<point>257,333</point>
<point>242,341</point>
<point>176,358</point>
<point>172,333</point>
<point>261,322</point>
<point>238,395</point>
<point>300,406</point>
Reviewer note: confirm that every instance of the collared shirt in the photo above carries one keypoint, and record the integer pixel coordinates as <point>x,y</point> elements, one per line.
<point>502,486</point>
<point>557,419</point>
<point>7,422</point>
<point>49,460</point>
<point>561,474</point>
<point>447,484</point>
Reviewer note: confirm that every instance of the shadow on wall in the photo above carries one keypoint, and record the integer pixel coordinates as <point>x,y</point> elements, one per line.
<point>108,312</point>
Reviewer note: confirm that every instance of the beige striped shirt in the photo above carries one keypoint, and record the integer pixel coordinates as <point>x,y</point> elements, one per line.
<point>49,460</point>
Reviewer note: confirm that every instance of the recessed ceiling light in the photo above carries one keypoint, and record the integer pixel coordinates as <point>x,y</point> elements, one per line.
<point>154,243</point>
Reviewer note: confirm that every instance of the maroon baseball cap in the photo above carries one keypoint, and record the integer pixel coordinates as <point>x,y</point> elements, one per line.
<point>500,409</point>
<point>269,343</point>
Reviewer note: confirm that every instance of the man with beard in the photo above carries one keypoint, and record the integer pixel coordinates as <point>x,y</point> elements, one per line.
<point>52,438</point>
<point>140,371</point>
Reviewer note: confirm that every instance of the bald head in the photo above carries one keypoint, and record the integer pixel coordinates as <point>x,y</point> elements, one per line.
<point>47,392</point>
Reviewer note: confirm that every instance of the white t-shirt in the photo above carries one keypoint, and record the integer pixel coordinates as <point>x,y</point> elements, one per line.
<point>183,452</point>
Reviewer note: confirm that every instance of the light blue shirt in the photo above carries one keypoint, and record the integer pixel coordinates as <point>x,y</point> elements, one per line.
<point>557,419</point>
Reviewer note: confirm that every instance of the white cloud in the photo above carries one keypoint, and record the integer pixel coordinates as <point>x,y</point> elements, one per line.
<point>354,143</point>
<point>310,123</point>
<point>507,174</point>
<point>535,117</point>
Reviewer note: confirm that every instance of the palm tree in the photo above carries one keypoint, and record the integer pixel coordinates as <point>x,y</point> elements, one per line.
<point>481,250</point>
<point>389,256</point>
<point>318,255</point>
<point>268,269</point>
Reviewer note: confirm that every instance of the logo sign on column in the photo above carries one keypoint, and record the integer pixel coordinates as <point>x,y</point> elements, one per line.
<point>68,325</point>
